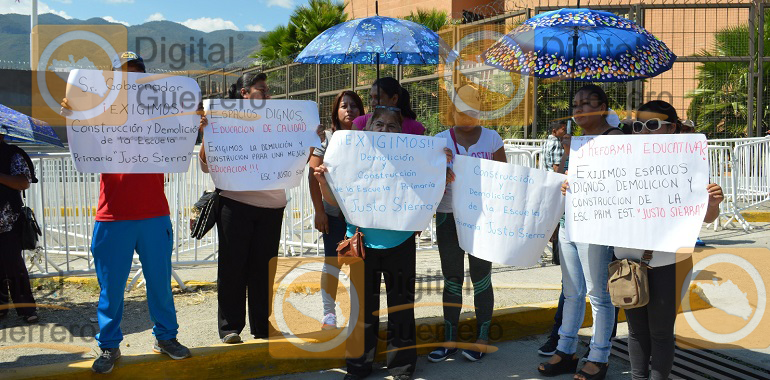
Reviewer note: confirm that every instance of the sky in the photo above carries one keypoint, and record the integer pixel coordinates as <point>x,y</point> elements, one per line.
<point>207,16</point>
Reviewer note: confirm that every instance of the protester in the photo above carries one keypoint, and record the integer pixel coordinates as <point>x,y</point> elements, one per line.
<point>16,174</point>
<point>388,92</point>
<point>249,230</point>
<point>392,254</point>
<point>651,327</point>
<point>329,219</point>
<point>466,138</point>
<point>584,266</point>
<point>133,214</point>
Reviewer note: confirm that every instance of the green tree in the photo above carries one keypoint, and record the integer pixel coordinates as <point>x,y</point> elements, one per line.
<point>719,105</point>
<point>432,19</point>
<point>305,23</point>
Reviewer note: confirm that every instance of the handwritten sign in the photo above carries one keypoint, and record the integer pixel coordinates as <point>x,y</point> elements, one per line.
<point>505,213</point>
<point>643,192</point>
<point>131,122</point>
<point>259,144</point>
<point>390,181</point>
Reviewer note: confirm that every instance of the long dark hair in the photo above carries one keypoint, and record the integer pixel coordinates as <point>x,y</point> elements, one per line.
<point>336,107</point>
<point>390,86</point>
<point>245,80</point>
<point>662,108</point>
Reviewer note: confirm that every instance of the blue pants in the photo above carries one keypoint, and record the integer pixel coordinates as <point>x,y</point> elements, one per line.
<point>113,248</point>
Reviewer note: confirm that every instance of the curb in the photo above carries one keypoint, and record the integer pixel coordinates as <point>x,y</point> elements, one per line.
<point>253,358</point>
<point>756,216</point>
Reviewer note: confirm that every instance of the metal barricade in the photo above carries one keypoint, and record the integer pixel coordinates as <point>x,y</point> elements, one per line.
<point>751,176</point>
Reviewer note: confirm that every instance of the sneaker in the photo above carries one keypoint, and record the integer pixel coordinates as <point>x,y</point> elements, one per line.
<point>549,348</point>
<point>473,355</point>
<point>329,322</point>
<point>106,361</point>
<point>231,338</point>
<point>172,348</point>
<point>31,318</point>
<point>441,353</point>
<point>699,243</point>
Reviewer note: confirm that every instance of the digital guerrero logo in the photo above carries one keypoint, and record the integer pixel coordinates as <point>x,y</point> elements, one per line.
<point>58,49</point>
<point>297,310</point>
<point>498,98</point>
<point>733,284</point>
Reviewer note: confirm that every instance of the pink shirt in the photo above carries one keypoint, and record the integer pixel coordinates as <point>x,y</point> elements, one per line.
<point>410,126</point>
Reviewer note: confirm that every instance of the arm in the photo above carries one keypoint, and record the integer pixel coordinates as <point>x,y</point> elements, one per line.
<point>202,152</point>
<point>16,182</point>
<point>321,220</point>
<point>565,142</point>
<point>326,191</point>
<point>715,198</point>
<point>499,155</point>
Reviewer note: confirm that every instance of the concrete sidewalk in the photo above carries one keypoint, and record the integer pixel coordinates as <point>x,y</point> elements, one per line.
<point>517,358</point>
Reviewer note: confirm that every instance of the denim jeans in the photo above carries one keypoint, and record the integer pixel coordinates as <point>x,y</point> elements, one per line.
<point>584,271</point>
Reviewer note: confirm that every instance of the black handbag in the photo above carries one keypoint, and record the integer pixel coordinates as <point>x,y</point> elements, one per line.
<point>30,230</point>
<point>204,214</point>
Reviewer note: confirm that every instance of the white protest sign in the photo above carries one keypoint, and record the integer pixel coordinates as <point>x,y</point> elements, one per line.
<point>505,213</point>
<point>131,122</point>
<point>640,191</point>
<point>391,181</point>
<point>259,144</point>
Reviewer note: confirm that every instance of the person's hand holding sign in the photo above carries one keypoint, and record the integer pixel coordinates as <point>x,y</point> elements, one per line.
<point>715,198</point>
<point>450,175</point>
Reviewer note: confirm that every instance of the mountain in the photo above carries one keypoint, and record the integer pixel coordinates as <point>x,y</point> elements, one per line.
<point>164,45</point>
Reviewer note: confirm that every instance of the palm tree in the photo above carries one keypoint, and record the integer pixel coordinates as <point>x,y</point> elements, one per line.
<point>719,104</point>
<point>305,23</point>
<point>433,19</point>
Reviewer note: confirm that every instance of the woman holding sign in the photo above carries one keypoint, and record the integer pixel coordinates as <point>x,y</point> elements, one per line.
<point>651,327</point>
<point>584,266</point>
<point>249,229</point>
<point>329,219</point>
<point>388,92</point>
<point>392,254</point>
<point>469,139</point>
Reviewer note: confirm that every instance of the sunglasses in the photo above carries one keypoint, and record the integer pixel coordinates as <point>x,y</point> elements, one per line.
<point>389,108</point>
<point>652,125</point>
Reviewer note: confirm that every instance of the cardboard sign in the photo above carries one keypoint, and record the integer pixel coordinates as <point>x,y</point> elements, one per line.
<point>640,191</point>
<point>390,181</point>
<point>259,144</point>
<point>131,122</point>
<point>505,213</point>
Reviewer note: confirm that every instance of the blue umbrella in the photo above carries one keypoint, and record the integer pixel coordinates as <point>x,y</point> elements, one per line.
<point>17,126</point>
<point>581,44</point>
<point>374,40</point>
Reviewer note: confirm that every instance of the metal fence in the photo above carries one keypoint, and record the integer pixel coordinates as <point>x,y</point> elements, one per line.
<point>65,203</point>
<point>719,79</point>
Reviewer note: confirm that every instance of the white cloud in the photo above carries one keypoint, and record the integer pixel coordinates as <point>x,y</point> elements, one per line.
<point>155,17</point>
<point>25,9</point>
<point>111,19</point>
<point>206,24</point>
<point>256,28</point>
<point>120,1</point>
<point>288,4</point>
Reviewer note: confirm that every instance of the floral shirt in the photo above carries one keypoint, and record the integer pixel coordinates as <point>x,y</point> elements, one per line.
<point>7,216</point>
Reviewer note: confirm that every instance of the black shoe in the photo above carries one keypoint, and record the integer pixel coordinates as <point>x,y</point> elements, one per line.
<point>172,348</point>
<point>597,376</point>
<point>441,353</point>
<point>473,355</point>
<point>106,361</point>
<point>31,318</point>
<point>351,376</point>
<point>568,364</point>
<point>549,348</point>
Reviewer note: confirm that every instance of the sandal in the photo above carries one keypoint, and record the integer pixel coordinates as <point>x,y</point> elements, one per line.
<point>597,376</point>
<point>567,364</point>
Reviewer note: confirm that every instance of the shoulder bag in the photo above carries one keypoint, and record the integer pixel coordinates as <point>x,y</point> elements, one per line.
<point>203,215</point>
<point>351,249</point>
<point>628,284</point>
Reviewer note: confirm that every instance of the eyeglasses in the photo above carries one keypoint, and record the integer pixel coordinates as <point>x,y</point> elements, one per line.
<point>389,108</point>
<point>652,125</point>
